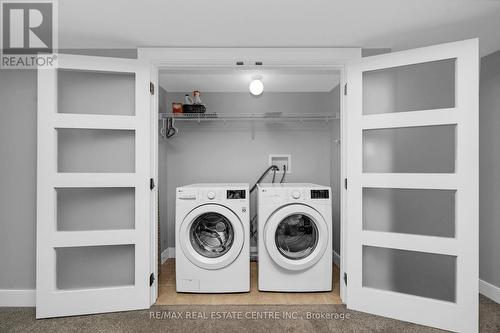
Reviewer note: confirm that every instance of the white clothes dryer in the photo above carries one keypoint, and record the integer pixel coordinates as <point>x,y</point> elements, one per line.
<point>295,237</point>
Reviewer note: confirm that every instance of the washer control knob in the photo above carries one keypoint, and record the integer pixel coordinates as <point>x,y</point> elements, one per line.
<point>211,195</point>
<point>295,194</point>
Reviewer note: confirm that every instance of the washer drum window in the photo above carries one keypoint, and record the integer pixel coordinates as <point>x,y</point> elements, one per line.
<point>211,235</point>
<point>296,236</point>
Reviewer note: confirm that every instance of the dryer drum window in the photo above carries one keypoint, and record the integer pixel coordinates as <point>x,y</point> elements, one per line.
<point>296,236</point>
<point>211,235</point>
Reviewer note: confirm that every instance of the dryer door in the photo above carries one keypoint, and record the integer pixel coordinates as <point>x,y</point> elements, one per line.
<point>211,236</point>
<point>296,236</point>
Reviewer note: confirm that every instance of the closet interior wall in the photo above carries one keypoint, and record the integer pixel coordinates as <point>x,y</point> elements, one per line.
<point>238,151</point>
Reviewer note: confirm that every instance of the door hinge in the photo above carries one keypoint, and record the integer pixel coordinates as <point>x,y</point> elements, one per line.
<point>151,279</point>
<point>151,183</point>
<point>151,88</point>
<point>345,278</point>
<point>345,89</point>
<point>345,183</point>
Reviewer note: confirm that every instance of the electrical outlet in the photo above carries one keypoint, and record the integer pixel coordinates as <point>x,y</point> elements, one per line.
<point>281,160</point>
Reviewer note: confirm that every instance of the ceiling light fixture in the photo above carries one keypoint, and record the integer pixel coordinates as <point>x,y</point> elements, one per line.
<point>256,86</point>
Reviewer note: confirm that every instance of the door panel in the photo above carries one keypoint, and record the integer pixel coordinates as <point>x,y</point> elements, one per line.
<point>407,272</point>
<point>412,200</point>
<point>95,150</point>
<point>419,149</point>
<point>105,208</point>
<point>106,93</point>
<point>93,195</point>
<point>414,87</point>
<point>410,211</point>
<point>84,267</point>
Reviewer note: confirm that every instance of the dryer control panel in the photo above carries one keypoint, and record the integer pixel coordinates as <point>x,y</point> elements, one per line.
<point>320,194</point>
<point>277,195</point>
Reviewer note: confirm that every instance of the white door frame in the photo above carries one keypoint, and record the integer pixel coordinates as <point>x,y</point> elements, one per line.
<point>178,58</point>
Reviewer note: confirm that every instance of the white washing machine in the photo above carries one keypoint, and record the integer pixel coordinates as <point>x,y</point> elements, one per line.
<point>295,237</point>
<point>212,238</point>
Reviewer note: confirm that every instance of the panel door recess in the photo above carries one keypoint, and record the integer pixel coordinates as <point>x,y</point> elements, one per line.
<point>412,201</point>
<point>93,195</point>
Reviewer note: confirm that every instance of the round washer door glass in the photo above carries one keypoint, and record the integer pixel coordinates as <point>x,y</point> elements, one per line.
<point>296,236</point>
<point>211,235</point>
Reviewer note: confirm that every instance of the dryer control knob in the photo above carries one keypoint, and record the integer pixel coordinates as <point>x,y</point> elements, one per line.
<point>211,195</point>
<point>296,194</point>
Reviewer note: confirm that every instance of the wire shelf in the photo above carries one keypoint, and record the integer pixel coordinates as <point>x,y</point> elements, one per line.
<point>265,116</point>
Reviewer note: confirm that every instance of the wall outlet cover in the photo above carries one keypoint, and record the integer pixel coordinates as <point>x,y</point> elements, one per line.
<point>281,160</point>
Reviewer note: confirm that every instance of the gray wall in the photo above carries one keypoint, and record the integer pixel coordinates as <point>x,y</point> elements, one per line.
<point>17,178</point>
<point>489,170</point>
<point>217,152</point>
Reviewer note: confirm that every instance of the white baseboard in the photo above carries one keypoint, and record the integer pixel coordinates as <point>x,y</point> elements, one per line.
<point>19,297</point>
<point>336,259</point>
<point>489,290</point>
<point>168,253</point>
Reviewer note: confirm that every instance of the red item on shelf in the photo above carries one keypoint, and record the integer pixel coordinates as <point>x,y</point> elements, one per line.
<point>176,107</point>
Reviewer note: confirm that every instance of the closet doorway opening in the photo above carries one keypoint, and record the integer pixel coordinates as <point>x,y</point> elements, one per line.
<point>232,138</point>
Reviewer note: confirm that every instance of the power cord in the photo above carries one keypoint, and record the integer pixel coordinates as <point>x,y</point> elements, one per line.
<point>253,221</point>
<point>272,167</point>
<point>284,173</point>
<point>253,229</point>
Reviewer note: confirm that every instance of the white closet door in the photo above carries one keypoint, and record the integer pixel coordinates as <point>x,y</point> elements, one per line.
<point>93,178</point>
<point>412,216</point>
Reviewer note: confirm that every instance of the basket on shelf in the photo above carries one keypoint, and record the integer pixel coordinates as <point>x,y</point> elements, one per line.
<point>195,115</point>
<point>194,108</point>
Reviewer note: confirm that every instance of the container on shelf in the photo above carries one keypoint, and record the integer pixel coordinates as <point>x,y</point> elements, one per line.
<point>176,107</point>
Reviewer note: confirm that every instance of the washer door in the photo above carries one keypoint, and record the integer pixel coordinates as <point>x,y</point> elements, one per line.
<point>296,236</point>
<point>211,236</point>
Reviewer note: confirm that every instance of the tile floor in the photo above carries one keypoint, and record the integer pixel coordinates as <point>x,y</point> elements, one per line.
<point>168,295</point>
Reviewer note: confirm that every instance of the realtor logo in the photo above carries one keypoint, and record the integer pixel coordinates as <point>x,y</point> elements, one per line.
<point>28,33</point>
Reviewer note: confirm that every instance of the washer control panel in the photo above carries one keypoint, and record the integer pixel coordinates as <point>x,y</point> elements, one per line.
<point>186,194</point>
<point>215,194</point>
<point>236,194</point>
